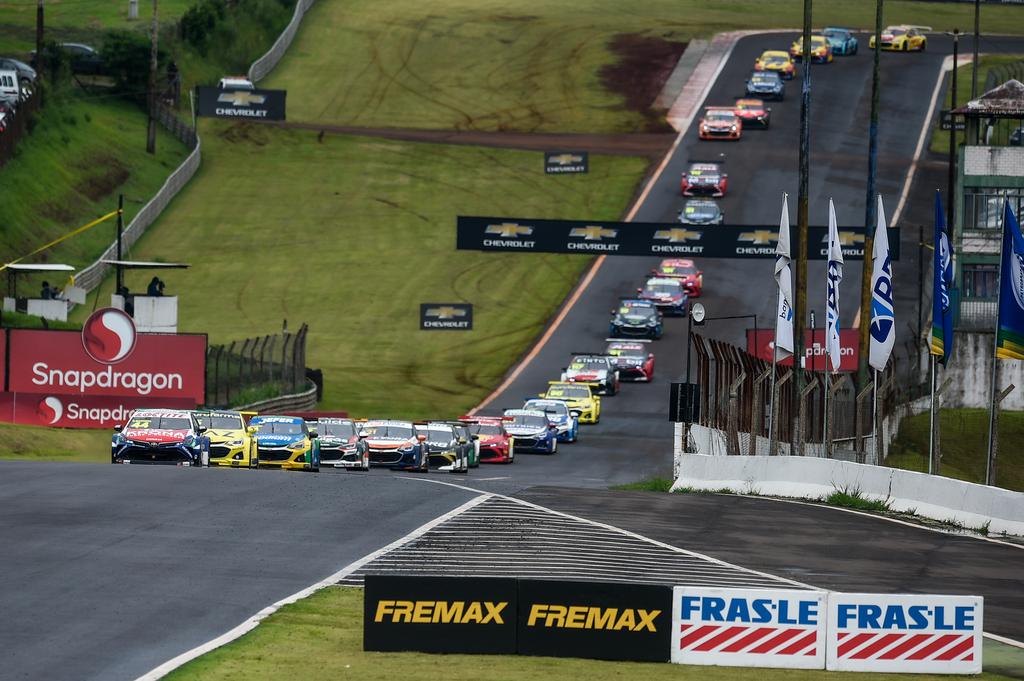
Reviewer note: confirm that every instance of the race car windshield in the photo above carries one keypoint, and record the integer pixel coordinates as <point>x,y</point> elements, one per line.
<point>762,78</point>
<point>484,429</point>
<point>682,269</point>
<point>556,408</point>
<point>160,423</point>
<point>220,421</point>
<point>748,106</point>
<point>279,428</point>
<point>637,312</point>
<point>436,434</point>
<point>776,60</point>
<point>842,35</point>
<point>571,392</point>
<point>661,289</point>
<point>392,431</point>
<point>530,421</point>
<point>897,31</point>
<point>720,116</point>
<point>626,351</point>
<point>345,430</point>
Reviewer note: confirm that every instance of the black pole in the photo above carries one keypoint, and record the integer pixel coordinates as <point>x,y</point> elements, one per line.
<point>151,127</point>
<point>977,39</point>
<point>39,65</point>
<point>950,198</point>
<point>800,277</point>
<point>920,284</point>
<point>119,279</point>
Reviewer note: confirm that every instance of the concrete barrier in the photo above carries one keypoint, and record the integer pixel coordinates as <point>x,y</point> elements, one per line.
<point>968,504</point>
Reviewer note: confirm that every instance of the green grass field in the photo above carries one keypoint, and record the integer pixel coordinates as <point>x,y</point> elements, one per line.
<point>351,235</point>
<point>321,637</point>
<point>940,138</point>
<point>494,65</point>
<point>35,443</point>
<point>964,439</point>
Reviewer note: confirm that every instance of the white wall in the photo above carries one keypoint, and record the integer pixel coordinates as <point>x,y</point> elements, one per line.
<point>970,369</point>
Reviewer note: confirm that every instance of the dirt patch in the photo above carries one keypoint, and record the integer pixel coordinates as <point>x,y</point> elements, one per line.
<point>101,177</point>
<point>244,132</point>
<point>644,64</point>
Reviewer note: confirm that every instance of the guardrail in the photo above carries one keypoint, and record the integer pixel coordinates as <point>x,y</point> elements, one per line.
<point>265,64</point>
<point>300,401</point>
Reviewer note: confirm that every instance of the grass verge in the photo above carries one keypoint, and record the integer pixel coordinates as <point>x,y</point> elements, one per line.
<point>35,443</point>
<point>531,67</point>
<point>320,637</point>
<point>351,235</point>
<point>846,498</point>
<point>940,138</point>
<point>649,485</point>
<point>963,444</point>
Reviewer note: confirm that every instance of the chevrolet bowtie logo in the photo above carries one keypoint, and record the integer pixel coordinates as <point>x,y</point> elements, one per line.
<point>241,98</point>
<point>593,233</point>
<point>446,312</point>
<point>677,235</point>
<point>565,159</point>
<point>759,237</point>
<point>509,230</point>
<point>847,238</point>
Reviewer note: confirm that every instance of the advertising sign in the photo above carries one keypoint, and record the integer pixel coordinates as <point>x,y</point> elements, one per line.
<point>3,359</point>
<point>759,344</point>
<point>260,105</point>
<point>748,627</point>
<point>108,358</point>
<point>524,235</point>
<point>439,614</point>
<point>592,620</point>
<point>446,316</point>
<point>560,162</point>
<point>79,411</point>
<point>905,633</point>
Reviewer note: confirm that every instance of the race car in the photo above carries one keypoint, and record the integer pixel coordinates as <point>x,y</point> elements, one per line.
<point>597,371</point>
<point>753,112</point>
<point>446,451</point>
<point>668,295</point>
<point>636,319</point>
<point>496,445</point>
<point>340,444</point>
<point>565,420</point>
<point>395,445</point>
<point>532,431</point>
<point>285,442</point>
<point>685,271</point>
<point>231,443</point>
<point>160,436</point>
<point>902,38</point>
<point>766,85</point>
<point>720,123</point>
<point>776,60</point>
<point>463,431</point>
<point>632,358</point>
<point>578,396</point>
<point>841,40</point>
<point>701,212</point>
<point>821,51</point>
<point>704,178</point>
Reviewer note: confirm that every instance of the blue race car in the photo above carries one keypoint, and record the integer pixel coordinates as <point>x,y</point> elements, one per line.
<point>766,85</point>
<point>531,431</point>
<point>285,442</point>
<point>636,318</point>
<point>565,420</point>
<point>841,40</point>
<point>161,436</point>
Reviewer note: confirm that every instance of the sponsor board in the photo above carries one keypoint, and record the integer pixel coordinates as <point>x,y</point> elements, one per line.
<point>905,633</point>
<point>761,341</point>
<point>446,316</point>
<point>749,627</point>
<point>78,411</point>
<point>439,614</point>
<point>560,162</point>
<point>947,121</point>
<point>3,359</point>
<point>594,620</point>
<point>645,238</point>
<point>107,358</point>
<point>257,105</point>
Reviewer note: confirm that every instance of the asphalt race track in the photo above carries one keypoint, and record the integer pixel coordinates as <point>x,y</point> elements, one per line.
<point>112,570</point>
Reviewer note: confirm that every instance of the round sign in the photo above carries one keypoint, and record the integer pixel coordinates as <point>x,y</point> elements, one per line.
<point>697,312</point>
<point>108,335</point>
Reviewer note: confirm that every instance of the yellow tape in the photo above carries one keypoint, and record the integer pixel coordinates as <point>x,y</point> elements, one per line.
<point>63,238</point>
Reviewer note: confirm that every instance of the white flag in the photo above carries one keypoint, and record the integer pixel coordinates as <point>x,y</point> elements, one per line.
<point>834,277</point>
<point>883,308</point>
<point>784,279</point>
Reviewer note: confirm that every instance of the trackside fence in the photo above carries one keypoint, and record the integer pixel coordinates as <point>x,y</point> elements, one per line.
<point>17,127</point>
<point>265,64</point>
<point>255,369</point>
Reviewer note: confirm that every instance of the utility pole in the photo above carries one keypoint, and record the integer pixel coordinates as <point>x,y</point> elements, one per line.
<point>951,187</point>
<point>119,278</point>
<point>800,283</point>
<point>870,211</point>
<point>39,65</point>
<point>977,39</point>
<point>151,128</point>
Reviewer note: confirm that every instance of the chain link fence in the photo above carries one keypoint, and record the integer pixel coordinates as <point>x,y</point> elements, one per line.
<point>256,369</point>
<point>265,64</point>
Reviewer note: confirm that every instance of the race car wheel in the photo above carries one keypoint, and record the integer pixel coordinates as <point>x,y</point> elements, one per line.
<point>906,46</point>
<point>924,43</point>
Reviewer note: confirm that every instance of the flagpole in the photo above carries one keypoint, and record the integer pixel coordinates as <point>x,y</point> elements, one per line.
<point>825,440</point>
<point>771,399</point>
<point>931,420</point>
<point>874,417</point>
<point>995,358</point>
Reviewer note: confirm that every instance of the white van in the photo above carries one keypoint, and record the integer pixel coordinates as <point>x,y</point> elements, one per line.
<point>235,83</point>
<point>10,91</point>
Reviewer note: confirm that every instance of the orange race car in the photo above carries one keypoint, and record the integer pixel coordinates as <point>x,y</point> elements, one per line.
<point>753,112</point>
<point>720,123</point>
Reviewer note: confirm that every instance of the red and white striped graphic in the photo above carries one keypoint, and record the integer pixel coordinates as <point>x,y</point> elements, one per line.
<point>906,646</point>
<point>751,640</point>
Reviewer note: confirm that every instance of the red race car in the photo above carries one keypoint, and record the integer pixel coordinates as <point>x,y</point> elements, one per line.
<point>704,179</point>
<point>684,270</point>
<point>633,358</point>
<point>495,443</point>
<point>753,112</point>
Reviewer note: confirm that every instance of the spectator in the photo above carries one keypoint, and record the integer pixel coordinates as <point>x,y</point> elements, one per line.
<point>129,300</point>
<point>154,287</point>
<point>47,292</point>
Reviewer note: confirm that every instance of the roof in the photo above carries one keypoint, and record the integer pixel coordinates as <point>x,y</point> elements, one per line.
<point>143,265</point>
<point>42,267</point>
<point>1007,100</point>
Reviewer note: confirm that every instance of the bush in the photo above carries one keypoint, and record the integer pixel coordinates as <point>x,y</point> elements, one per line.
<point>126,55</point>
<point>198,22</point>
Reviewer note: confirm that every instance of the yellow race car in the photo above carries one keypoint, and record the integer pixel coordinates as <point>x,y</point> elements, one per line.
<point>821,53</point>
<point>902,38</point>
<point>285,442</point>
<point>776,60</point>
<point>578,396</point>
<point>231,443</point>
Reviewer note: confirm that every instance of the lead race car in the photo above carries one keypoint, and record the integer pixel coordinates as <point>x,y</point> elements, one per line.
<point>597,371</point>
<point>496,445</point>
<point>160,436</point>
<point>340,444</point>
<point>565,420</point>
<point>633,358</point>
<point>532,431</point>
<point>231,442</point>
<point>286,442</point>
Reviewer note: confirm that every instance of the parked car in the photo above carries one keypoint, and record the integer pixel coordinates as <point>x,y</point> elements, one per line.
<point>84,60</point>
<point>26,74</point>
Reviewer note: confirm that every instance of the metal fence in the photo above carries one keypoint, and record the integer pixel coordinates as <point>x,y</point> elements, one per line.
<point>998,75</point>
<point>248,370</point>
<point>16,127</point>
<point>265,64</point>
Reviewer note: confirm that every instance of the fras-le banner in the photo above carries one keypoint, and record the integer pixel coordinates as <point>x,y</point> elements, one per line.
<point>905,633</point>
<point>749,627</point>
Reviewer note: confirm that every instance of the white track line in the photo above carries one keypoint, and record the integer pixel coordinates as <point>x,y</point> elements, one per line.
<point>251,623</point>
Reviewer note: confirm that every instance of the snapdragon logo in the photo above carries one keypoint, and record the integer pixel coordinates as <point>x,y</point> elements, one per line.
<point>138,382</point>
<point>50,409</point>
<point>108,336</point>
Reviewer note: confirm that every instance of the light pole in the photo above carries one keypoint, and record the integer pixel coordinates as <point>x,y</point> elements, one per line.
<point>697,314</point>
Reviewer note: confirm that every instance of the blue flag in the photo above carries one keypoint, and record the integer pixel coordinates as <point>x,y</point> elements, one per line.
<point>942,312</point>
<point>1010,329</point>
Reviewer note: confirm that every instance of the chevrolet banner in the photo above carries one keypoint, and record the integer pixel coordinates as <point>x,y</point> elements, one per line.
<point>562,162</point>
<point>446,316</point>
<point>669,239</point>
<point>257,105</point>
